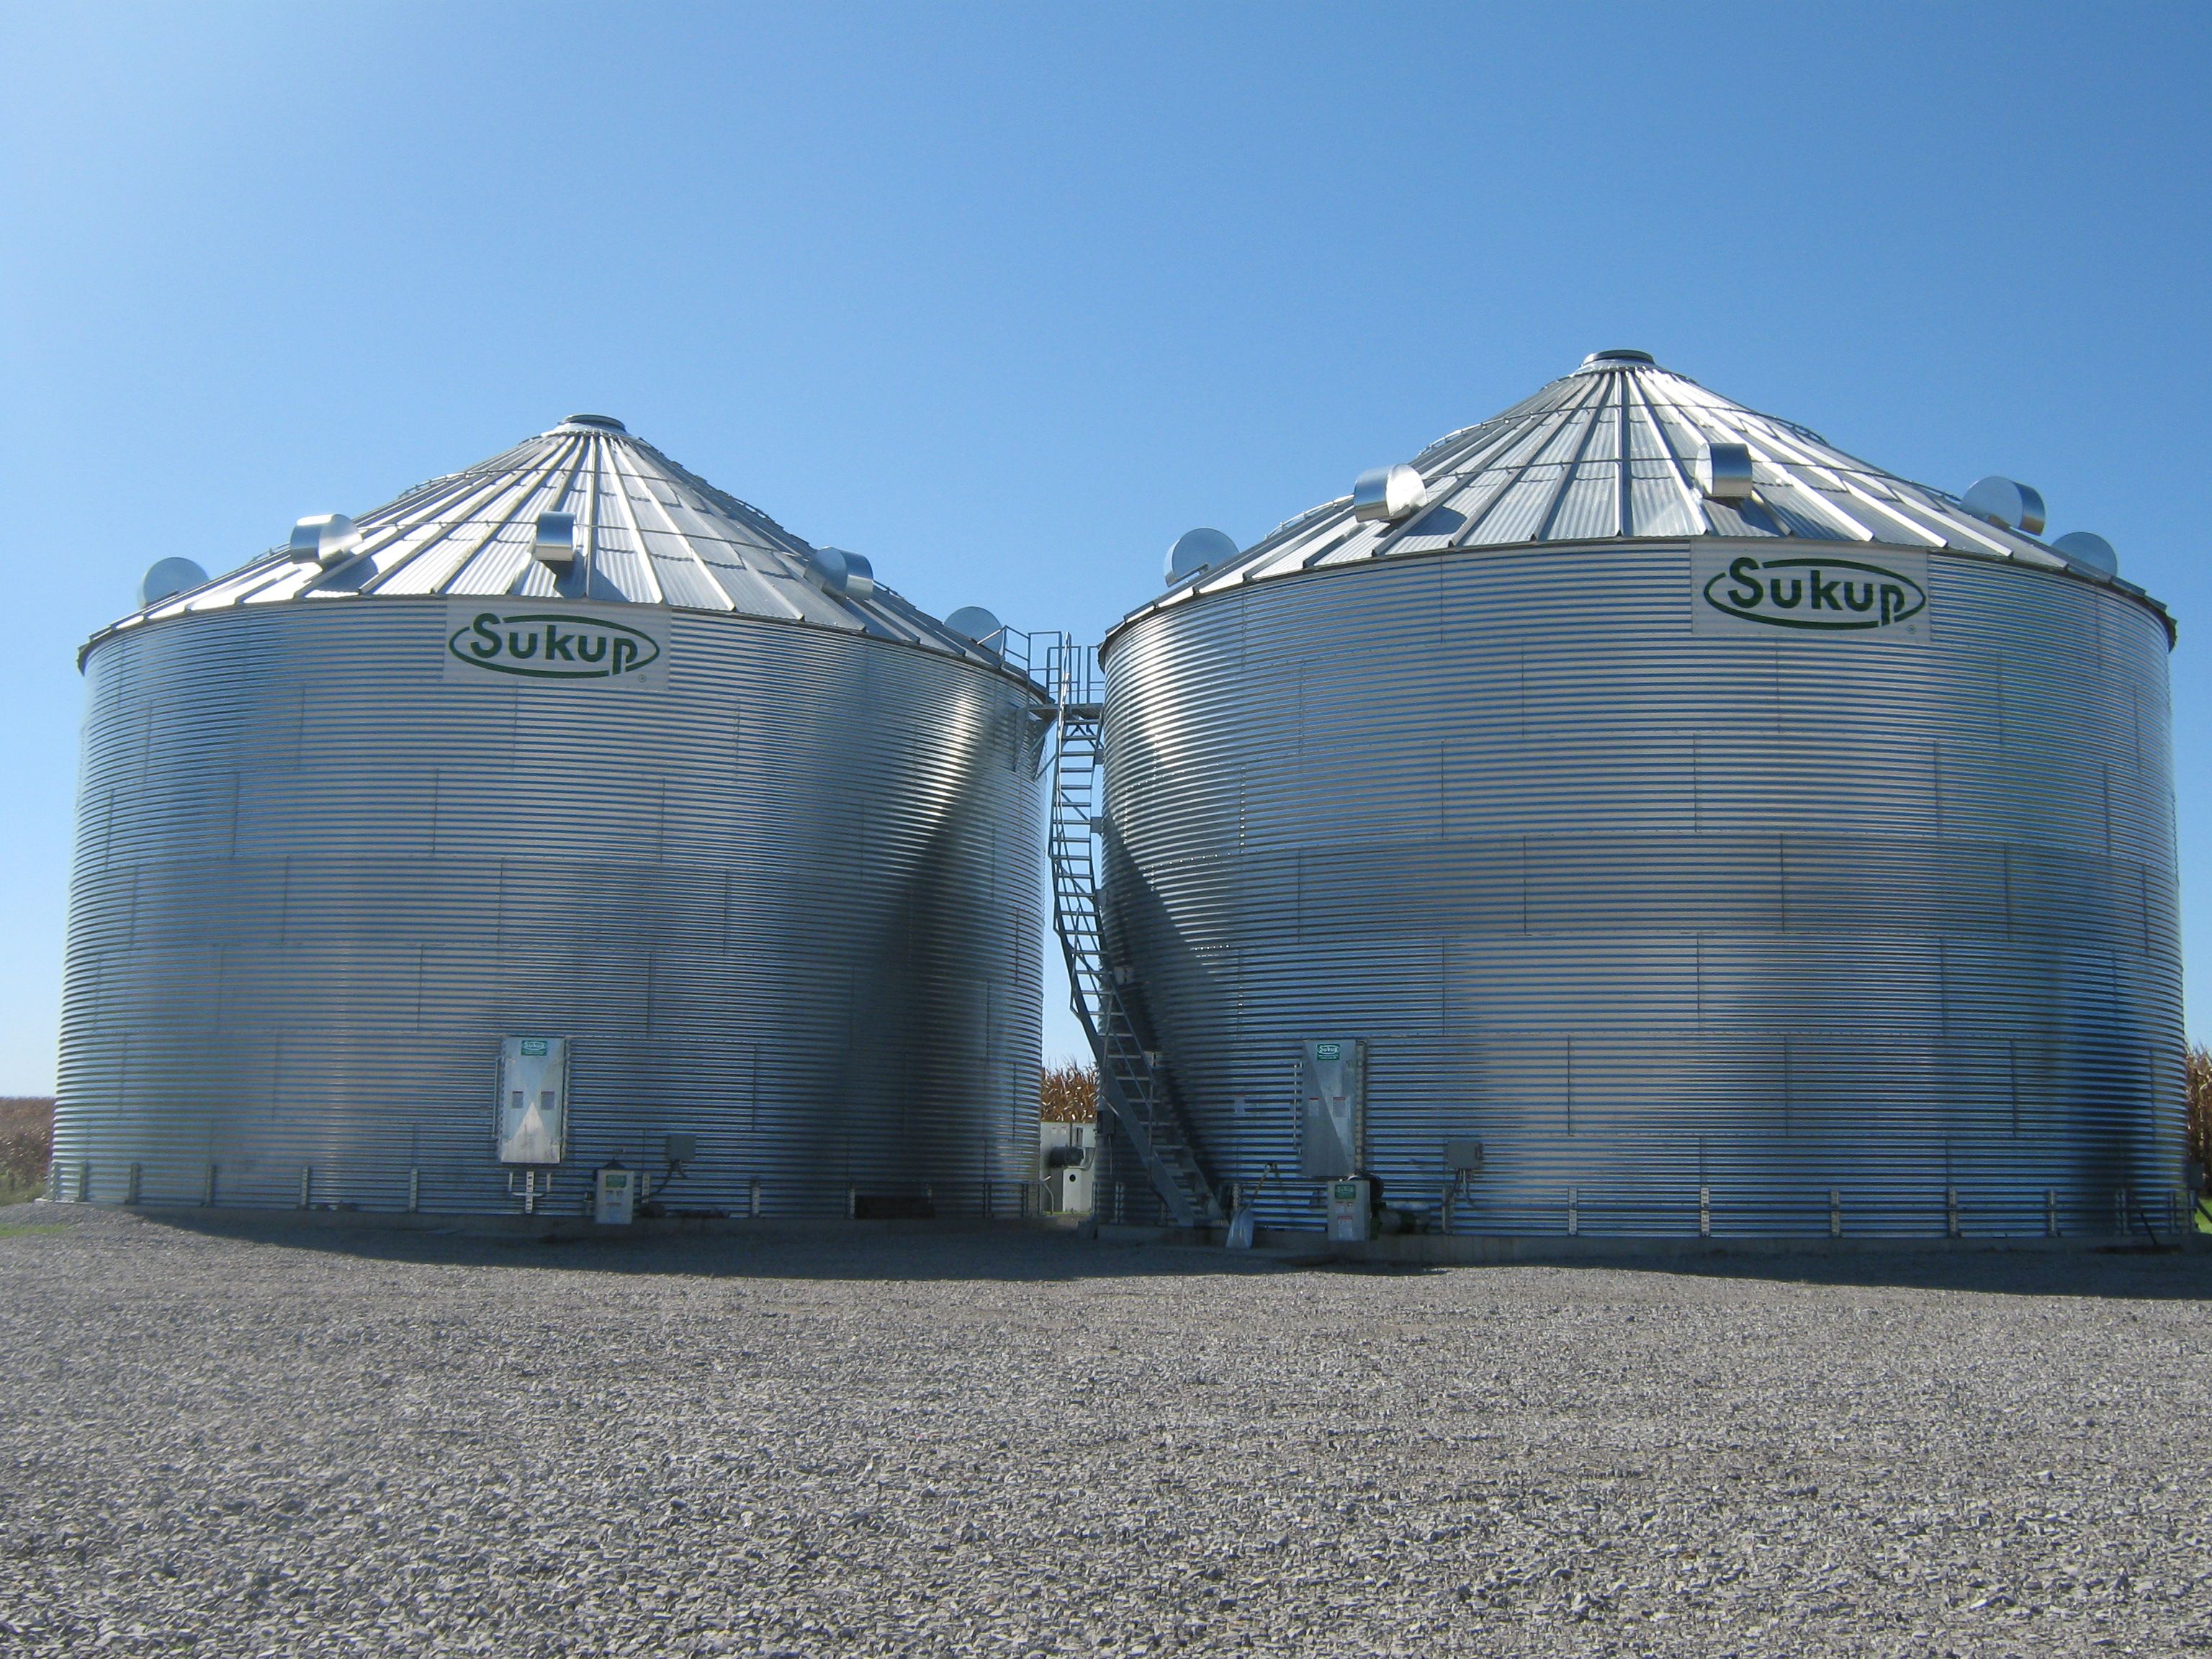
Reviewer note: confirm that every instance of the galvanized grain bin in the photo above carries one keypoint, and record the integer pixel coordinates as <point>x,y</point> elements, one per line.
<point>1683,826</point>
<point>568,809</point>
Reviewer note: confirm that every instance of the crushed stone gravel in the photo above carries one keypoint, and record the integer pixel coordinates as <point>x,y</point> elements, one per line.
<point>224,1440</point>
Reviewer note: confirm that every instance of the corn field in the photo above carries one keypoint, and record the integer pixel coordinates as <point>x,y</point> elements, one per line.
<point>2200,1105</point>
<point>26,1140</point>
<point>1068,1093</point>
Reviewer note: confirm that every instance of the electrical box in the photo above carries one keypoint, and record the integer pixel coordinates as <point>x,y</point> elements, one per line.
<point>1352,1211</point>
<point>614,1197</point>
<point>1464,1156</point>
<point>1332,1107</point>
<point>533,1099</point>
<point>1070,1155</point>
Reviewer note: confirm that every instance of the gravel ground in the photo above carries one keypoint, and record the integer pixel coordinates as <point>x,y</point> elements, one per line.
<point>368,1442</point>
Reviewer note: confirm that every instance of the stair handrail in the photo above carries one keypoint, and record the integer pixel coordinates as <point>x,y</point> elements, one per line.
<point>1130,1086</point>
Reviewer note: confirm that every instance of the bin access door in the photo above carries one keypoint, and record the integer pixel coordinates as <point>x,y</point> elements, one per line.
<point>533,1099</point>
<point>1332,1107</point>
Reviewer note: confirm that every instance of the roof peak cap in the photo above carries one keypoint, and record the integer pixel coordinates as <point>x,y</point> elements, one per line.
<point>1619,357</point>
<point>591,423</point>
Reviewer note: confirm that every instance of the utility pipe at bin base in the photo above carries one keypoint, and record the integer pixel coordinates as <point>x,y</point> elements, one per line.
<point>555,1227</point>
<point>1469,1250</point>
<point>548,1193</point>
<point>1350,1210</point>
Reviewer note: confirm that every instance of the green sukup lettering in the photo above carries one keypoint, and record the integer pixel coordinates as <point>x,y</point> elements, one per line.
<point>540,645</point>
<point>1828,595</point>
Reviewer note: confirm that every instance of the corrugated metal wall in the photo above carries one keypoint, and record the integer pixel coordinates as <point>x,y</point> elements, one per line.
<point>1881,927</point>
<point>788,904</point>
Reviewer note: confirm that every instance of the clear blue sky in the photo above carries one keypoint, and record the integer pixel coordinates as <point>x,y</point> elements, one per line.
<point>1008,297</point>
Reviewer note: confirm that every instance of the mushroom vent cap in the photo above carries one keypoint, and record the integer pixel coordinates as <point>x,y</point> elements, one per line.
<point>2090,550</point>
<point>324,538</point>
<point>2006,503</point>
<point>1198,550</point>
<point>1387,493</point>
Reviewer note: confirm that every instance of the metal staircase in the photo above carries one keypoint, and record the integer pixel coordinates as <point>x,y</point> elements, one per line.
<point>1130,1083</point>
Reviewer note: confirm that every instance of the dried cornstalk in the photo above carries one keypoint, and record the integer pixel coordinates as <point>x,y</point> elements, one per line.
<point>1068,1093</point>
<point>2200,1105</point>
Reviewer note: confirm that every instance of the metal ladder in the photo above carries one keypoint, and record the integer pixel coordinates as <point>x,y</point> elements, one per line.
<point>1130,1083</point>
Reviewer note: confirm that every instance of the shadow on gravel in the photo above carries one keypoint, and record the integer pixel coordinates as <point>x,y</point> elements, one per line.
<point>2127,1273</point>
<point>1010,1256</point>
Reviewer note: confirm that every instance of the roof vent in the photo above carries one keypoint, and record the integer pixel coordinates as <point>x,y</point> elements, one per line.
<point>1724,472</point>
<point>326,538</point>
<point>167,577</point>
<point>1619,357</point>
<point>2084,547</point>
<point>555,544</point>
<point>601,422</point>
<point>2005,503</point>
<point>973,622</point>
<point>1387,494</point>
<point>850,574</point>
<point>1199,549</point>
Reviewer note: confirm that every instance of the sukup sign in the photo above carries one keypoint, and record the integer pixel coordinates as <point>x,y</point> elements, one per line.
<point>487,645</point>
<point>1878,596</point>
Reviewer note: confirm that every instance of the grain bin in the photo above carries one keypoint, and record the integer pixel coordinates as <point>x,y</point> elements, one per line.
<point>566,811</point>
<point>1636,816</point>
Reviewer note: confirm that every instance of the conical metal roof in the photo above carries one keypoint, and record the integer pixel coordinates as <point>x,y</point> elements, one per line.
<point>1617,449</point>
<point>646,532</point>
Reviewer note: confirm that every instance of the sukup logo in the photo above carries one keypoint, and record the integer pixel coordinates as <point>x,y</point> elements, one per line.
<point>542,645</point>
<point>1833,595</point>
